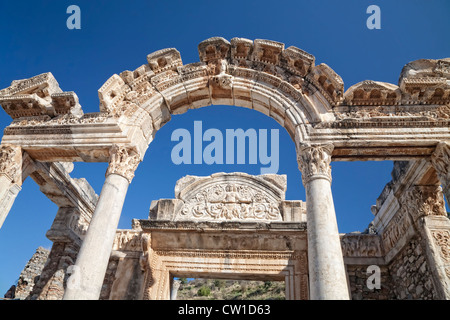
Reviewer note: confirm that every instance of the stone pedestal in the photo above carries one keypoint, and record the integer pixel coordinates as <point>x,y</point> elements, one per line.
<point>89,271</point>
<point>327,276</point>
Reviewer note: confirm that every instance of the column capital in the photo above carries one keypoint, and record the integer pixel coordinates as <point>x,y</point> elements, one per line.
<point>420,201</point>
<point>314,162</point>
<point>123,161</point>
<point>11,163</point>
<point>441,161</point>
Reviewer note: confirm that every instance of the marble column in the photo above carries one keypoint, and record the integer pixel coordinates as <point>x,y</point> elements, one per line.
<point>175,286</point>
<point>10,178</point>
<point>88,273</point>
<point>327,275</point>
<point>441,162</point>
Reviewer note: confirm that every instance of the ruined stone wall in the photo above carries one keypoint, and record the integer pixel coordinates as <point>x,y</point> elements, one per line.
<point>357,277</point>
<point>29,276</point>
<point>54,275</point>
<point>411,274</point>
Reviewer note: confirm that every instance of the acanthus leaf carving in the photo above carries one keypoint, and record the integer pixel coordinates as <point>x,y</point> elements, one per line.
<point>314,162</point>
<point>11,163</point>
<point>422,201</point>
<point>123,161</point>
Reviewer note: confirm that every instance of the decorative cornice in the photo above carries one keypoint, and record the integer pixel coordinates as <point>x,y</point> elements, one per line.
<point>123,161</point>
<point>314,162</point>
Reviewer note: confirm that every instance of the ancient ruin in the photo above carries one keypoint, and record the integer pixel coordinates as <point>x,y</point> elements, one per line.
<point>237,225</point>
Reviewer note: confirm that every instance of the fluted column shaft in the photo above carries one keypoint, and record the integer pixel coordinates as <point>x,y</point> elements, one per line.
<point>327,276</point>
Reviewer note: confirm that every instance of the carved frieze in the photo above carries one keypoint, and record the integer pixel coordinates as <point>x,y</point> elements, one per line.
<point>395,230</point>
<point>442,241</point>
<point>128,240</point>
<point>232,201</point>
<point>401,114</point>
<point>361,245</point>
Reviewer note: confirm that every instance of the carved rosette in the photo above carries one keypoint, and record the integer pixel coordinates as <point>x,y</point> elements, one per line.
<point>11,163</point>
<point>441,162</point>
<point>314,162</point>
<point>123,161</point>
<point>231,201</point>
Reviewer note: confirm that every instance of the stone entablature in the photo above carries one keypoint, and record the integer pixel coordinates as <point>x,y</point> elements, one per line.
<point>308,100</point>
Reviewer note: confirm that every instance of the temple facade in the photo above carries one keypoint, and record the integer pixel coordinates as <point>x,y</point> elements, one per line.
<point>238,225</point>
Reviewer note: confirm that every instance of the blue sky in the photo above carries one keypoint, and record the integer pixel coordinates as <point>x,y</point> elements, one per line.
<point>118,35</point>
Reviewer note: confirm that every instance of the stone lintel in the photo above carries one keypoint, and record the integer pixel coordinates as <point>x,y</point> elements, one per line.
<point>148,226</point>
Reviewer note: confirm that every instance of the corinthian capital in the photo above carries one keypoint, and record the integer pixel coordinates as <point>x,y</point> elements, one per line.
<point>422,201</point>
<point>123,161</point>
<point>441,162</point>
<point>314,162</point>
<point>11,163</point>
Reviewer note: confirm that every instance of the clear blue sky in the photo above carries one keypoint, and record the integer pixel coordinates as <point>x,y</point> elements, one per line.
<point>118,35</point>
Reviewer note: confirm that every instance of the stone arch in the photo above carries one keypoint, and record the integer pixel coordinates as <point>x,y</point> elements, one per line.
<point>262,75</point>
